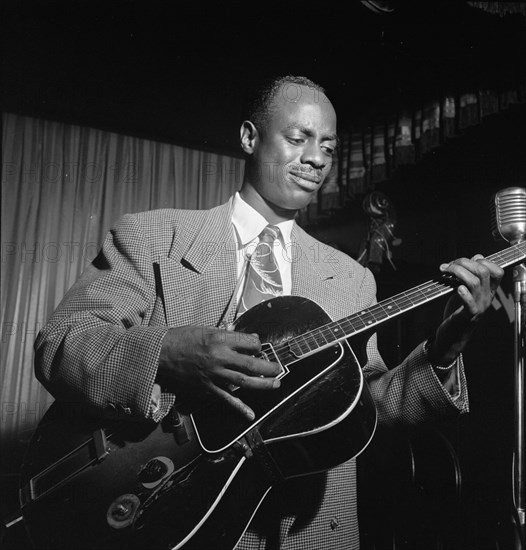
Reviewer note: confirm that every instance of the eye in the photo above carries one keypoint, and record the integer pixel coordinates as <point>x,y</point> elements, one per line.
<point>329,150</point>
<point>296,141</point>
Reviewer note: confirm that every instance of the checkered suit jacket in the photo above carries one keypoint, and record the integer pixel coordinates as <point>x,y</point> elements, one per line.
<point>178,267</point>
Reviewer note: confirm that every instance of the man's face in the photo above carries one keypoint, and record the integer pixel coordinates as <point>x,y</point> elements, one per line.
<point>292,154</point>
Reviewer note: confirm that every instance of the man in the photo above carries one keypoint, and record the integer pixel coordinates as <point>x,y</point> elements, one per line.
<point>129,336</point>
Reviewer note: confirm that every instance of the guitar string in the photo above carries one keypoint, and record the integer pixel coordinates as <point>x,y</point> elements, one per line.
<point>361,320</point>
<point>404,299</point>
<point>330,332</point>
<point>412,297</point>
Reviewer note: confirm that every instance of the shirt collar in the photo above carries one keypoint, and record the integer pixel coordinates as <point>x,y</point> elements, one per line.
<point>249,223</point>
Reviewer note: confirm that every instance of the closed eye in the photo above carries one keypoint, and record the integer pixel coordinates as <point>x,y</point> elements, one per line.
<point>296,141</point>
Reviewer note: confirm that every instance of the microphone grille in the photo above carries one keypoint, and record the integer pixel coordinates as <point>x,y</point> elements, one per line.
<point>508,214</point>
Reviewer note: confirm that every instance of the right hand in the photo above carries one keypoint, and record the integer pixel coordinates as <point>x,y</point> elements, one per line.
<point>205,360</point>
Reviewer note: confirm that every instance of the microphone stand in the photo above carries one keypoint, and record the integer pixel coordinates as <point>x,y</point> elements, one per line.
<point>519,281</point>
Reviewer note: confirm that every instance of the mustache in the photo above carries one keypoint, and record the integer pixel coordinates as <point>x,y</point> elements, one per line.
<point>306,172</point>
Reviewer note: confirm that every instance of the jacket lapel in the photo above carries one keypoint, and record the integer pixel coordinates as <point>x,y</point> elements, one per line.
<point>213,239</point>
<point>199,282</point>
<point>203,280</point>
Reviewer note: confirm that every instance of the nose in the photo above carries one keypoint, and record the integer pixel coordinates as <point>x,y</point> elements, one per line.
<point>314,156</point>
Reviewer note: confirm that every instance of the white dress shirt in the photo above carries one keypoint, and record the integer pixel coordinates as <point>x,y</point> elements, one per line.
<point>248,224</point>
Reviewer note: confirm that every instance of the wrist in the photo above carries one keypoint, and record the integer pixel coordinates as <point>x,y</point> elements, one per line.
<point>443,364</point>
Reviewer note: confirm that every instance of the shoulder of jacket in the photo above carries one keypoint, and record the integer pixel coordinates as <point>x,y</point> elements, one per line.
<point>168,229</point>
<point>336,257</point>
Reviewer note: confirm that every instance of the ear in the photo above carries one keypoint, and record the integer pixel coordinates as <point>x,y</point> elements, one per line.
<point>248,135</point>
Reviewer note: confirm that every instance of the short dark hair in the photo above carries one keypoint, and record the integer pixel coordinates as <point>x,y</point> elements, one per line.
<point>259,105</point>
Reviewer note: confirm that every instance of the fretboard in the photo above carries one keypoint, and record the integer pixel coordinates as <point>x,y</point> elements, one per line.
<point>367,319</point>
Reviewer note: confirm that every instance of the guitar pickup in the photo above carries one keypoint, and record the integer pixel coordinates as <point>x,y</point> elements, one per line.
<point>60,472</point>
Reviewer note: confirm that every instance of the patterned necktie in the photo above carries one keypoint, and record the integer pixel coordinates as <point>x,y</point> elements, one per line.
<point>263,280</point>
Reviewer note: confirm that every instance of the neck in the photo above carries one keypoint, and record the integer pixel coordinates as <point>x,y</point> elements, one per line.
<point>271,212</point>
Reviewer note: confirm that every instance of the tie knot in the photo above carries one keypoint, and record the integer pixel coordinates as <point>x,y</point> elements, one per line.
<point>269,234</point>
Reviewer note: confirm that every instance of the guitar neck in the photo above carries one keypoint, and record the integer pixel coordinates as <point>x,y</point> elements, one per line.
<point>367,319</point>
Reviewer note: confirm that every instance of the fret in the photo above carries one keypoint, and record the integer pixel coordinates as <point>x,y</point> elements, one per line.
<point>353,323</point>
<point>319,338</point>
<point>390,307</point>
<point>311,341</point>
<point>363,317</point>
<point>427,291</point>
<point>332,332</point>
<point>406,302</point>
<point>368,317</point>
<point>299,346</point>
<point>432,291</point>
<point>378,312</point>
<point>420,296</point>
<point>509,256</point>
<point>303,343</point>
<point>336,331</point>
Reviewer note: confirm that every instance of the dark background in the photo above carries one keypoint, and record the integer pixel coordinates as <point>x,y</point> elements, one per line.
<point>179,73</point>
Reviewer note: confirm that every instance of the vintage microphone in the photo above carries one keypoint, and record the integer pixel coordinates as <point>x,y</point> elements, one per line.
<point>509,214</point>
<point>509,222</point>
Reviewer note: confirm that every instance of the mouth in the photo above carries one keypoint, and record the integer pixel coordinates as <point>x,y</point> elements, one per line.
<point>306,179</point>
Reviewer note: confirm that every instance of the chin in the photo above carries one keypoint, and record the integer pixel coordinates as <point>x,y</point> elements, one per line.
<point>291,201</point>
<point>301,200</point>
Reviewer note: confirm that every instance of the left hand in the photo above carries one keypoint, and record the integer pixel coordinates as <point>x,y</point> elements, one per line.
<point>480,279</point>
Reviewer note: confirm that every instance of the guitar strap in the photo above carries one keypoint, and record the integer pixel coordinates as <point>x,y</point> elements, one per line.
<point>252,445</point>
<point>176,422</point>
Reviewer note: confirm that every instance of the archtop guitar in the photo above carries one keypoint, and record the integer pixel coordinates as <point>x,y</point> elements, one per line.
<point>195,481</point>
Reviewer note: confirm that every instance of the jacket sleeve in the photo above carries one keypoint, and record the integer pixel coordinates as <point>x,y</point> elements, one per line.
<point>97,347</point>
<point>409,393</point>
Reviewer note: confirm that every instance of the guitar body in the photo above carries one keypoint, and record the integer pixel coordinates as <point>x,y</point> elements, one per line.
<point>323,397</point>
<point>108,505</point>
<point>97,484</point>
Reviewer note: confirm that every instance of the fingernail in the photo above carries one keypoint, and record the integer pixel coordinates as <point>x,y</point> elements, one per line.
<point>276,383</point>
<point>443,266</point>
<point>250,414</point>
